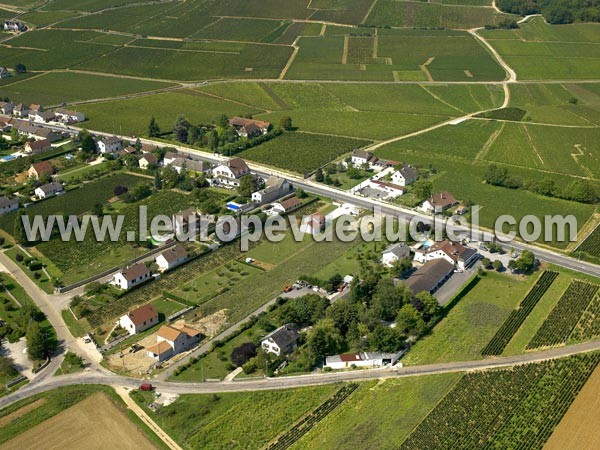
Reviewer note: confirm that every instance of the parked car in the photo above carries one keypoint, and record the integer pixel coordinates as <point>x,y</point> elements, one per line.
<point>146,387</point>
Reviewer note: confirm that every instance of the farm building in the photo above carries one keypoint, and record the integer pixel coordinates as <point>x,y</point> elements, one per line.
<point>110,144</point>
<point>274,188</point>
<point>131,276</point>
<point>281,341</point>
<point>395,252</point>
<point>362,359</point>
<point>37,147</point>
<point>430,277</point>
<point>171,258</point>
<point>49,190</point>
<point>8,204</point>
<point>140,319</point>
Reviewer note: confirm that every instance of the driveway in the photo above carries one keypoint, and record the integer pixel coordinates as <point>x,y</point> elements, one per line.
<point>454,284</point>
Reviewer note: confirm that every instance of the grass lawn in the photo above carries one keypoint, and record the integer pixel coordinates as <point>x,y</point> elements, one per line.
<point>43,282</point>
<point>401,405</point>
<point>166,306</point>
<point>472,322</point>
<point>243,420</point>
<point>77,327</point>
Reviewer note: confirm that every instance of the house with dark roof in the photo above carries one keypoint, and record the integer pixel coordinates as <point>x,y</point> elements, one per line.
<point>147,160</point>
<point>8,204</point>
<point>41,116</point>
<point>228,174</point>
<point>430,276</point>
<point>171,258</point>
<point>49,190</point>
<point>249,128</point>
<point>405,175</point>
<point>36,147</point>
<point>395,252</point>
<point>109,145</point>
<point>281,341</point>
<point>440,202</point>
<point>275,188</point>
<point>139,319</point>
<point>131,276</point>
<point>40,169</point>
<point>360,157</point>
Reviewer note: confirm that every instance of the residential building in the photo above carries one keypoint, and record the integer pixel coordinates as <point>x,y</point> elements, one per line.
<point>37,147</point>
<point>109,145</point>
<point>187,220</point>
<point>362,359</point>
<point>171,341</point>
<point>285,206</point>
<point>229,173</point>
<point>41,116</point>
<point>395,252</point>
<point>140,319</point>
<point>69,116</point>
<point>131,276</point>
<point>147,160</point>
<point>281,341</point>
<point>453,252</point>
<point>313,224</point>
<point>274,188</point>
<point>171,258</point>
<point>170,158</point>
<point>8,204</point>
<point>49,190</point>
<point>249,128</point>
<point>14,26</point>
<point>41,133</point>
<point>192,165</point>
<point>40,169</point>
<point>404,176</point>
<point>378,164</point>
<point>430,277</point>
<point>7,107</point>
<point>4,71</point>
<point>20,110</point>
<point>439,203</point>
<point>361,157</point>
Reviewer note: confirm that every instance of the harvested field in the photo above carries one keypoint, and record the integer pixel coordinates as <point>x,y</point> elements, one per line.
<point>579,427</point>
<point>94,423</point>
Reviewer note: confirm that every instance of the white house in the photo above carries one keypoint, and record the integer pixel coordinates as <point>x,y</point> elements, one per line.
<point>171,341</point>
<point>131,276</point>
<point>405,176</point>
<point>140,319</point>
<point>395,252</point>
<point>171,258</point>
<point>49,190</point>
<point>230,172</point>
<point>453,252</point>
<point>147,160</point>
<point>8,205</point>
<point>281,341</point>
<point>110,144</point>
<point>439,203</point>
<point>68,116</point>
<point>275,188</point>
<point>362,359</point>
<point>41,116</point>
<point>361,157</point>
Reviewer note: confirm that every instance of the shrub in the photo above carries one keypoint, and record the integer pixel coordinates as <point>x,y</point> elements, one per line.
<point>19,257</point>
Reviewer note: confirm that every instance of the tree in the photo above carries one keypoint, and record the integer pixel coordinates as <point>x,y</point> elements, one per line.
<point>388,299</point>
<point>487,263</point>
<point>525,263</point>
<point>306,310</point>
<point>157,180</point>
<point>180,129</point>
<point>137,144</point>
<point>422,189</point>
<point>14,135</point>
<point>410,321</point>
<point>88,145</point>
<point>213,140</point>
<point>386,339</point>
<point>37,343</point>
<point>247,186</point>
<point>242,354</point>
<point>300,193</point>
<point>319,177</point>
<point>344,314</point>
<point>581,191</point>
<point>496,176</point>
<point>20,68</point>
<point>431,306</point>
<point>98,209</point>
<point>223,121</point>
<point>401,267</point>
<point>19,231</point>
<point>325,339</point>
<point>153,128</point>
<point>497,265</point>
<point>285,123</point>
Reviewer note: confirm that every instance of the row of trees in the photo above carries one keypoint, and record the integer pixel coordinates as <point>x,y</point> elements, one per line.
<point>578,190</point>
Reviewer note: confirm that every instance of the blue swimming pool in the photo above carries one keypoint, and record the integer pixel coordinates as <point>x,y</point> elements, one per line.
<point>8,158</point>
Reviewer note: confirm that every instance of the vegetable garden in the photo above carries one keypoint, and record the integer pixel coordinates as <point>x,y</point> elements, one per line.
<point>512,408</point>
<point>512,324</point>
<point>564,317</point>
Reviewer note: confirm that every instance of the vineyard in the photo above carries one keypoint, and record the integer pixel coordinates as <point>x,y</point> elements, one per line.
<point>305,425</point>
<point>513,408</point>
<point>512,324</point>
<point>564,317</point>
<point>591,245</point>
<point>588,327</point>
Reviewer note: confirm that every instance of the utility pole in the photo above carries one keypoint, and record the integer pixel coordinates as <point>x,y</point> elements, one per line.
<point>202,371</point>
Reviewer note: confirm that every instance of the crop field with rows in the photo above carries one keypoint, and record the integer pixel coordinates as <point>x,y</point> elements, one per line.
<point>512,324</point>
<point>566,314</point>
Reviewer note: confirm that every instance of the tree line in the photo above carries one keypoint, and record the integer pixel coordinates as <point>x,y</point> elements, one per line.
<point>555,11</point>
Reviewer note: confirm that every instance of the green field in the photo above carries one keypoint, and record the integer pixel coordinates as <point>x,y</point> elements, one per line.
<point>395,55</point>
<point>470,324</point>
<point>302,152</point>
<point>57,88</point>
<point>538,51</point>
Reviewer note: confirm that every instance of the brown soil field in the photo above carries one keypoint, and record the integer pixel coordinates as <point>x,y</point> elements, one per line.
<point>579,427</point>
<point>94,423</point>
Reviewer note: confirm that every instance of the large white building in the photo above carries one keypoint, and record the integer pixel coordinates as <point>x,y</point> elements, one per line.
<point>229,173</point>
<point>110,144</point>
<point>362,359</point>
<point>455,253</point>
<point>171,341</point>
<point>49,190</point>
